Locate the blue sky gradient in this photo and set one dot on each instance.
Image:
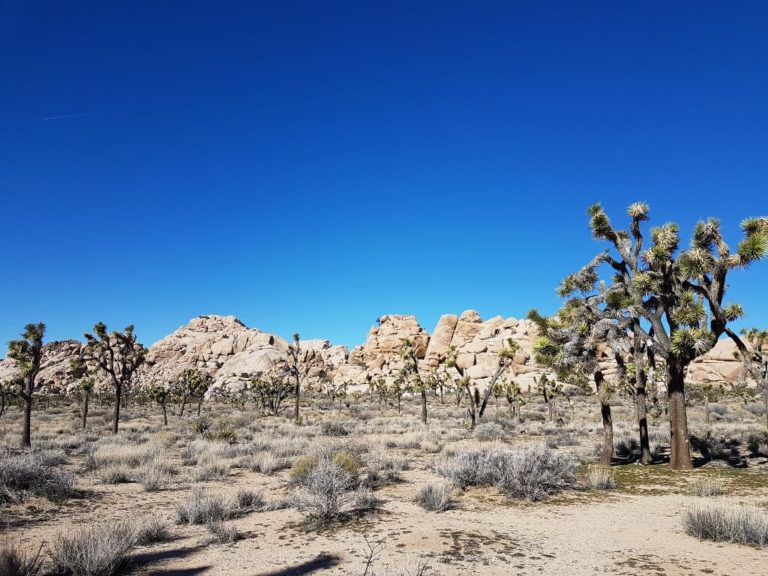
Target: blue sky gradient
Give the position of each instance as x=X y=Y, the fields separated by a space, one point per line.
x=311 y=166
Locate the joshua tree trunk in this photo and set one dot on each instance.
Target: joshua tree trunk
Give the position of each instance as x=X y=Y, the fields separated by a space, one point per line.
x=165 y=413
x=26 y=438
x=472 y=407
x=118 y=398
x=297 y=415
x=199 y=404
x=86 y=397
x=605 y=413
x=424 y=406
x=183 y=404
x=641 y=411
x=680 y=451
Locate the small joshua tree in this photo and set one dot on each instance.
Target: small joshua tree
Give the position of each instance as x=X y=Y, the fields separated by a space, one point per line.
x=118 y=355
x=271 y=390
x=506 y=362
x=28 y=354
x=192 y=384
x=463 y=384
x=758 y=341
x=160 y=394
x=411 y=375
x=293 y=367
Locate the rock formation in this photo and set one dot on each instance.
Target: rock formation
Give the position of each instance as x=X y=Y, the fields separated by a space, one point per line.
x=230 y=352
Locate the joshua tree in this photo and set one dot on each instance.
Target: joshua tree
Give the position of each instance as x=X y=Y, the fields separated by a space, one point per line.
x=293 y=367
x=758 y=341
x=506 y=361
x=463 y=385
x=271 y=390
x=27 y=353
x=119 y=355
x=85 y=387
x=412 y=377
x=675 y=298
x=571 y=344
x=192 y=384
x=160 y=394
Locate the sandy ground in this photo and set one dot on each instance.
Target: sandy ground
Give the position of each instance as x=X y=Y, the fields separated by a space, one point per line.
x=635 y=529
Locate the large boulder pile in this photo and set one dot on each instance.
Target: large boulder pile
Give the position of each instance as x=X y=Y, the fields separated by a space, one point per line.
x=230 y=352
x=55 y=375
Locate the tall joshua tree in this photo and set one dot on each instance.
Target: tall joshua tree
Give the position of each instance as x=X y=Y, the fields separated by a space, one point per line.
x=118 y=355
x=27 y=353
x=506 y=358
x=675 y=298
x=758 y=341
x=293 y=367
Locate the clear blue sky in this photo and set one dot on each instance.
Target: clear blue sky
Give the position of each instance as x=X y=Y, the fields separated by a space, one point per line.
x=311 y=166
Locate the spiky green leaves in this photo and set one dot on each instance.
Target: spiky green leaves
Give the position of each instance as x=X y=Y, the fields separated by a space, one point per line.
x=638 y=211
x=733 y=312
x=689 y=311
x=753 y=248
x=687 y=343
x=600 y=224
x=27 y=352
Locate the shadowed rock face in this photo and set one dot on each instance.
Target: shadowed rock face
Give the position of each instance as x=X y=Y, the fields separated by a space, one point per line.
x=229 y=351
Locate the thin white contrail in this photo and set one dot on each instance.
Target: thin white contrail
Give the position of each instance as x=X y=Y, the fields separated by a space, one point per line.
x=63 y=116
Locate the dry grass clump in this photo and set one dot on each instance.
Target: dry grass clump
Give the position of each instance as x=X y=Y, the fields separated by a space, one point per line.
x=210 y=470
x=488 y=431
x=707 y=486
x=93 y=551
x=435 y=497
x=600 y=478
x=203 y=508
x=727 y=523
x=222 y=533
x=265 y=463
x=532 y=474
x=34 y=473
x=151 y=531
x=14 y=562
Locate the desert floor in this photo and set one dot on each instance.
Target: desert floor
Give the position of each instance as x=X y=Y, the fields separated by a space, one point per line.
x=635 y=528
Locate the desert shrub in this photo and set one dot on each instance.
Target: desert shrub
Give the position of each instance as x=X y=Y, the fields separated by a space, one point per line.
x=248 y=501
x=14 y=562
x=93 y=551
x=561 y=440
x=532 y=473
x=302 y=467
x=202 y=508
x=221 y=434
x=33 y=473
x=153 y=477
x=488 y=431
x=152 y=530
x=115 y=474
x=221 y=532
x=328 y=491
x=707 y=486
x=430 y=446
x=333 y=429
x=435 y=497
x=600 y=478
x=727 y=523
x=267 y=463
x=382 y=469
x=211 y=471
